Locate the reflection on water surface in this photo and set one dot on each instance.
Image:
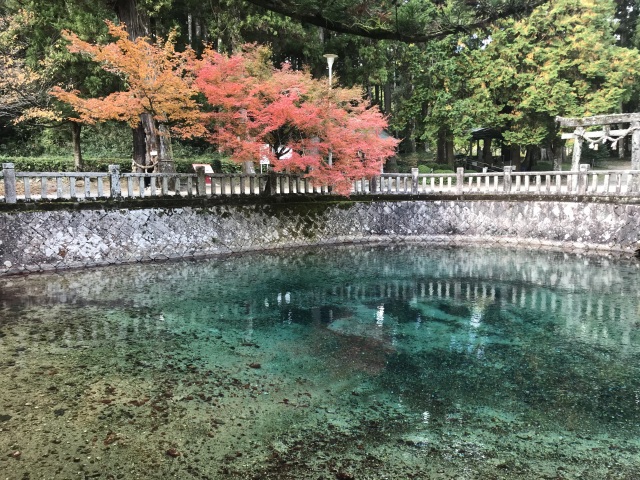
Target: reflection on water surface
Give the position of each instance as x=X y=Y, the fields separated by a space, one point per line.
x=354 y=362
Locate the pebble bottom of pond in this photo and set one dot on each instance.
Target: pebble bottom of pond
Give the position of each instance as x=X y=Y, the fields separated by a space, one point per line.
x=354 y=362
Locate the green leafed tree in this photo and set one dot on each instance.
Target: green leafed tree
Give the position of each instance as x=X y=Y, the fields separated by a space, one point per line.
x=430 y=100
x=404 y=20
x=32 y=45
x=562 y=60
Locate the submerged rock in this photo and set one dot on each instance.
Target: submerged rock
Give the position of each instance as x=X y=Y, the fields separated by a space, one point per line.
x=173 y=453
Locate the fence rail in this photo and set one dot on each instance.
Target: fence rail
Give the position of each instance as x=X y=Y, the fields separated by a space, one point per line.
x=44 y=186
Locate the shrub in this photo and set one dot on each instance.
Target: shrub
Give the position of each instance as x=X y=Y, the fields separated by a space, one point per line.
x=65 y=164
x=542 y=167
x=40 y=164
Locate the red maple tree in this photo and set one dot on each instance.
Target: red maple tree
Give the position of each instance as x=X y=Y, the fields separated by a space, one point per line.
x=331 y=135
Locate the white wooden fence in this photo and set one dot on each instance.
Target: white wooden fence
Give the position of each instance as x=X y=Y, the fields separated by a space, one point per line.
x=45 y=186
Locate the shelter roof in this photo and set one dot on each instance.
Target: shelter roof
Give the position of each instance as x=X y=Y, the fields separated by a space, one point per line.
x=485 y=132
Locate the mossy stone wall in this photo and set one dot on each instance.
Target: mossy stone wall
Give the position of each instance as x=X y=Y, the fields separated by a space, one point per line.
x=90 y=235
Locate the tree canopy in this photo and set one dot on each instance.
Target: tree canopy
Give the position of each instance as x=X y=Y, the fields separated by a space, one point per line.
x=435 y=68
x=23 y=90
x=159 y=82
x=303 y=121
x=410 y=21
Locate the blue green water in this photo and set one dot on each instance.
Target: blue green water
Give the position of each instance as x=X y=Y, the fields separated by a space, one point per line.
x=335 y=363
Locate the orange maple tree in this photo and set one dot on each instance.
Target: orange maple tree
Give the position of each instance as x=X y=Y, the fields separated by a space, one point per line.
x=159 y=86
x=297 y=122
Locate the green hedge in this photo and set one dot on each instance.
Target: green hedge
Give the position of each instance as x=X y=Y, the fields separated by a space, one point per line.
x=435 y=168
x=40 y=164
x=65 y=164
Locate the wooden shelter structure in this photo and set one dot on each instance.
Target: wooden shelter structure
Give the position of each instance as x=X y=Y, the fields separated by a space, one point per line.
x=484 y=157
x=593 y=138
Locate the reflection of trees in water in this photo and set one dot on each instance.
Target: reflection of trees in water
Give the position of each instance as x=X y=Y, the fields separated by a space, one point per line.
x=581 y=292
x=339 y=267
x=430 y=324
x=542 y=386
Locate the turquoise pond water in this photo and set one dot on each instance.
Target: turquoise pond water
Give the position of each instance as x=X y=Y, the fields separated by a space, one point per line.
x=363 y=362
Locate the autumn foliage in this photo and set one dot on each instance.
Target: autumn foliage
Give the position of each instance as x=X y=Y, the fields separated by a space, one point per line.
x=302 y=120
x=159 y=82
x=23 y=89
x=253 y=110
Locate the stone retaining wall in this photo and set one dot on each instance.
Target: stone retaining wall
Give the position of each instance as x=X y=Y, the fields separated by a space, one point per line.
x=105 y=234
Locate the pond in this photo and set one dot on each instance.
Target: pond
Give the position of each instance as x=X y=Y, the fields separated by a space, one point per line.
x=359 y=362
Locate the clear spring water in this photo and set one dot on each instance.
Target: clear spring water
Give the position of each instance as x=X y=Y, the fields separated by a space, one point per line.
x=337 y=363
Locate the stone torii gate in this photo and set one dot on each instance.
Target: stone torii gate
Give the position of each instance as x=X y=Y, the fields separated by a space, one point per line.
x=605 y=135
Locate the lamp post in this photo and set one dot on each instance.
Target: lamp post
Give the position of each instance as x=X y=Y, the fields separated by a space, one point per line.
x=330 y=58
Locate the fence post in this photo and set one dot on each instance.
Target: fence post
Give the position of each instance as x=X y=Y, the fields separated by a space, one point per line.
x=507 y=178
x=373 y=185
x=635 y=146
x=634 y=183
x=272 y=183
x=9 y=171
x=414 y=181
x=201 y=186
x=263 y=184
x=459 y=180
x=582 y=178
x=114 y=181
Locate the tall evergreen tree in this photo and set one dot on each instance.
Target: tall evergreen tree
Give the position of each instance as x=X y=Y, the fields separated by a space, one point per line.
x=31 y=35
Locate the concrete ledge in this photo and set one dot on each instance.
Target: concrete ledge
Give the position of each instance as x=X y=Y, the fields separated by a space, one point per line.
x=181 y=202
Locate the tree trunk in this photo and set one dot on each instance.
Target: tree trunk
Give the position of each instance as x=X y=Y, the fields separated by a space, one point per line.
x=387 y=98
x=440 y=147
x=534 y=154
x=409 y=141
x=78 y=163
x=320 y=68
x=151 y=139
x=451 y=159
x=529 y=158
x=486 y=151
x=156 y=138
x=444 y=153
x=516 y=161
x=554 y=154
x=152 y=145
x=165 y=152
x=139 y=148
x=137 y=21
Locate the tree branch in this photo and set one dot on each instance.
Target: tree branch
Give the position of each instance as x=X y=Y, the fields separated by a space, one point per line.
x=317 y=18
